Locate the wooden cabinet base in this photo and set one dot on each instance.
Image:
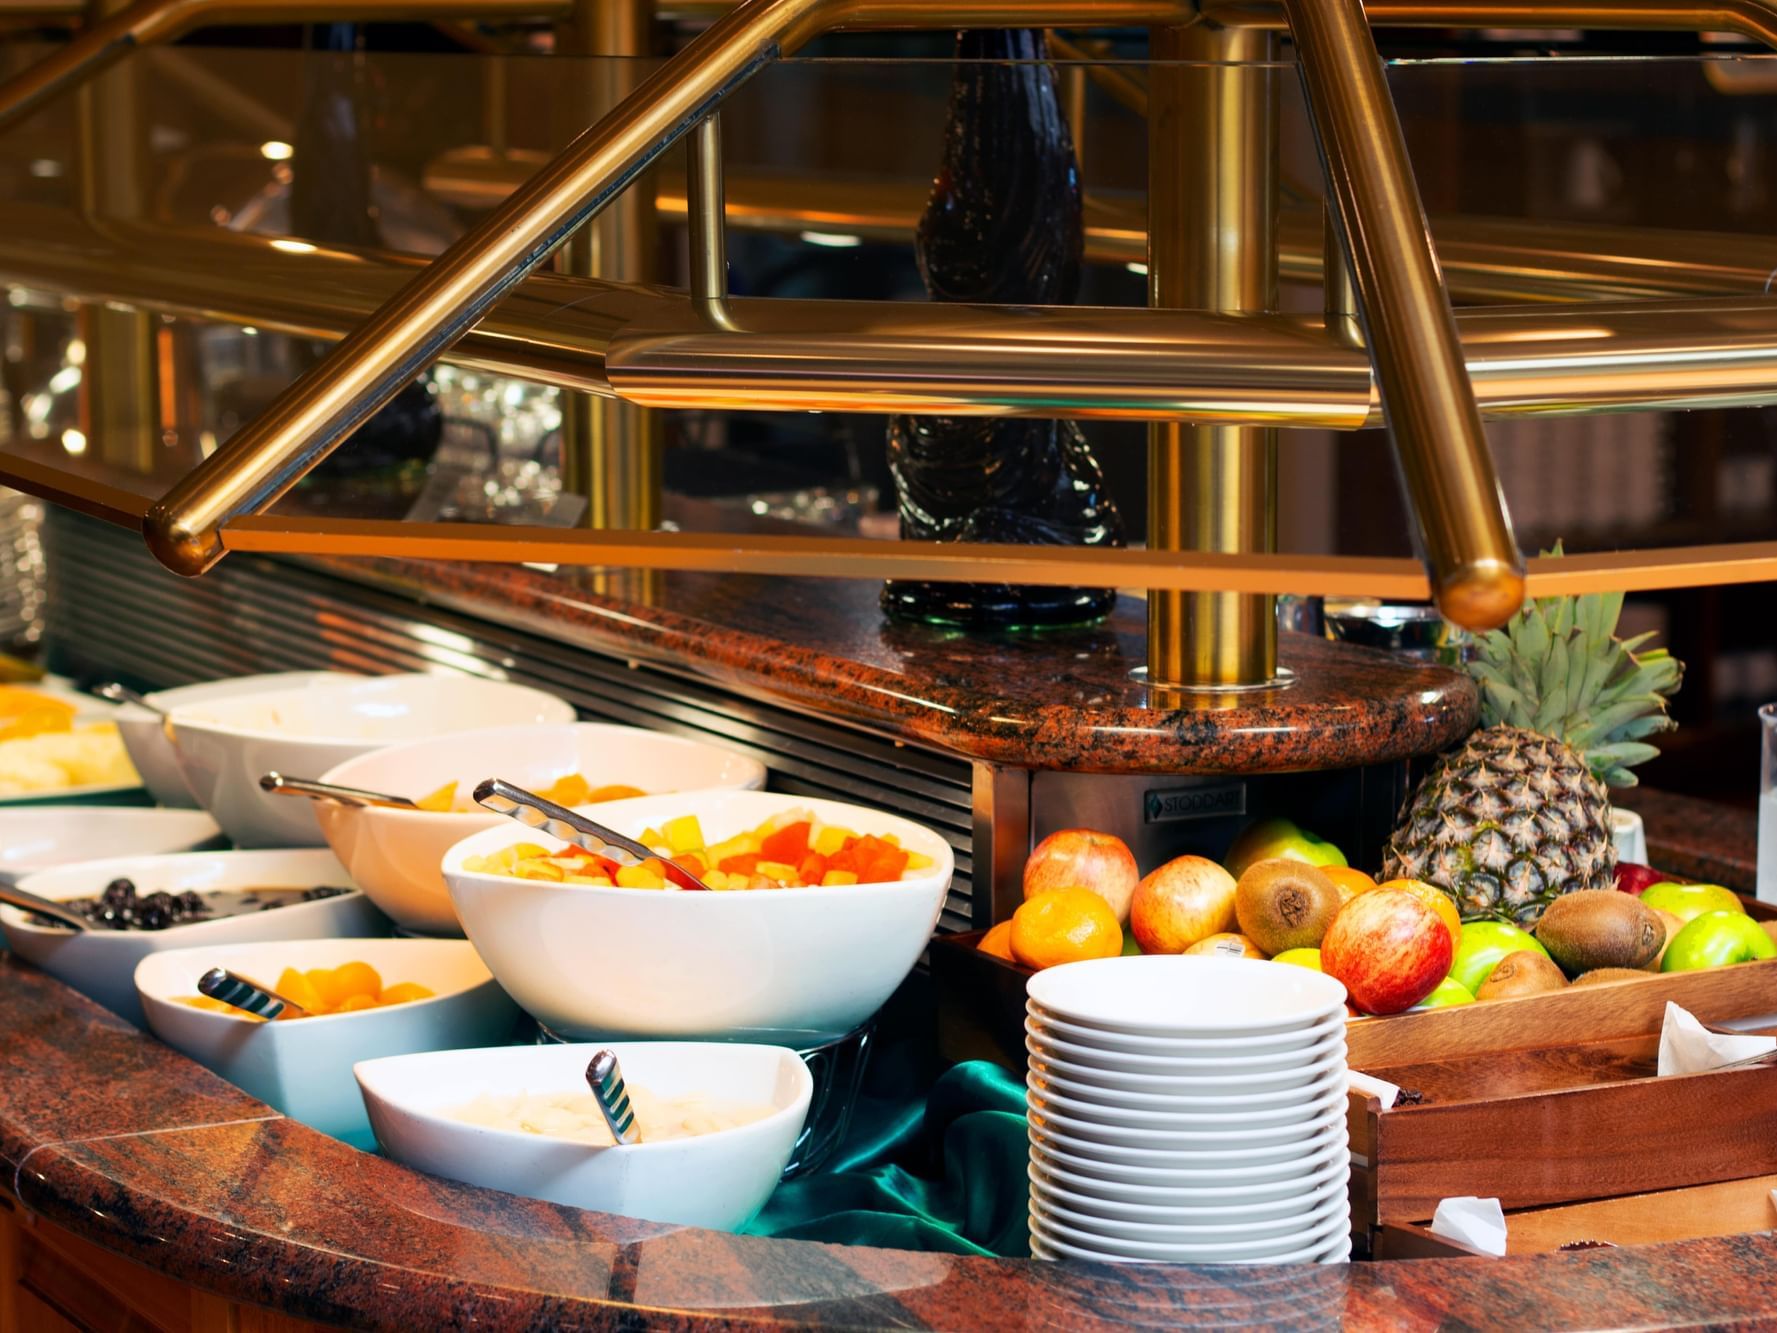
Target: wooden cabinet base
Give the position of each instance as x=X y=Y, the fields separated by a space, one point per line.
x=51 y=1281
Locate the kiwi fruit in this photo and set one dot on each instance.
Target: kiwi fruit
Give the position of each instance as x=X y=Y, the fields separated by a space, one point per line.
x=1283 y=904
x=1597 y=928
x=1673 y=924
x=1599 y=975
x=1525 y=972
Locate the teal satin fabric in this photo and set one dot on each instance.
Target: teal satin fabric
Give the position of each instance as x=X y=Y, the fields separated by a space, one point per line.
x=940 y=1170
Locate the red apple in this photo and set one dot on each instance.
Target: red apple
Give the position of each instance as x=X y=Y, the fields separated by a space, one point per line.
x=1188 y=899
x=1082 y=859
x=1390 y=950
x=1633 y=878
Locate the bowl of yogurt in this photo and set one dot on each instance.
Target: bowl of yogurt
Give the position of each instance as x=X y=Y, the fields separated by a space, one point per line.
x=717 y=1121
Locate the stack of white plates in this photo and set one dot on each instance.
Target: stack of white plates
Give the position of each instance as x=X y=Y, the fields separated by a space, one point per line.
x=1187 y=1110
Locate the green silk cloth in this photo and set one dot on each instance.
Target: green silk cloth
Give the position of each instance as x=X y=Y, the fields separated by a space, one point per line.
x=924 y=1165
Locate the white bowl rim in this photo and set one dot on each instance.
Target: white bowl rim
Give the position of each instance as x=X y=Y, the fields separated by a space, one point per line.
x=1055 y=990
x=512 y=1137
x=943 y=865
x=169 y=957
x=384 y=684
x=335 y=774
x=1316 y=1196
x=195 y=692
x=1182 y=1109
x=13 y=918
x=1321 y=1172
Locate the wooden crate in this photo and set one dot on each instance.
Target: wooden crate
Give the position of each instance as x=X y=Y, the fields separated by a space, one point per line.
x=1552 y=1125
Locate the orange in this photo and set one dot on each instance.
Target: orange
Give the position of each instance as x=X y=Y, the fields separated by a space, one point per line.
x=998 y=942
x=1348 y=881
x=1064 y=926
x=1436 y=899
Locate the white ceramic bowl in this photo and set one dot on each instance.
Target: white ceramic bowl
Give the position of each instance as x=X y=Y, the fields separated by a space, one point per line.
x=1328 y=1165
x=227 y=745
x=713 y=1180
x=303 y=1067
x=152 y=753
x=1255 y=1166
x=36 y=839
x=100 y=963
x=787 y=964
x=1179 y=995
x=1184 y=1093
x=1043 y=1025
x=1056 y=1051
x=395 y=854
x=1227 y=1208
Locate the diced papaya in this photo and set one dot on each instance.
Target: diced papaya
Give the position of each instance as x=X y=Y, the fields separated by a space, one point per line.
x=683 y=834
x=745 y=864
x=691 y=861
x=811 y=868
x=571 y=789
x=833 y=877
x=788 y=844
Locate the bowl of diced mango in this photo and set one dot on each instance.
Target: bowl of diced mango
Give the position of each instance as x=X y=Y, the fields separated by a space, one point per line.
x=365 y=999
x=817 y=910
x=394 y=854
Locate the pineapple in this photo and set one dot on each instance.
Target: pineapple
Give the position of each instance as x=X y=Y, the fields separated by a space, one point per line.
x=1518 y=815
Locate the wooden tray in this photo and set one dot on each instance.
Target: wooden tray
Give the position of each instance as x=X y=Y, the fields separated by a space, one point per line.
x=1733 y=1208
x=1555 y=1124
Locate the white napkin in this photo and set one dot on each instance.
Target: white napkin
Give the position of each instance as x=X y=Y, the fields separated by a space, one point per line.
x=1478 y=1223
x=1687 y=1047
x=1375 y=1087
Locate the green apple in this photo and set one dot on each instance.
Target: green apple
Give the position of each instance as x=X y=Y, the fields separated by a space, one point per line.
x=1449 y=991
x=1483 y=944
x=1130 y=947
x=1309 y=958
x=1689 y=901
x=1716 y=939
x=1270 y=839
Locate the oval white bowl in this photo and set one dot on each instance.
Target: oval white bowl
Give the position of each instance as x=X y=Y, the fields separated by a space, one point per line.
x=395 y=854
x=100 y=963
x=225 y=746
x=1168 y=996
x=788 y=964
x=715 y=1180
x=152 y=753
x=59 y=835
x=304 y=1067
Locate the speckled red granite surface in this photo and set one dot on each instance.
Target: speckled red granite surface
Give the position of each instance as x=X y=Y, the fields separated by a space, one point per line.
x=110 y=1134
x=1061 y=699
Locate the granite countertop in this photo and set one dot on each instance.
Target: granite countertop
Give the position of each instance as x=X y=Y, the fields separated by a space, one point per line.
x=1058 y=699
x=108 y=1133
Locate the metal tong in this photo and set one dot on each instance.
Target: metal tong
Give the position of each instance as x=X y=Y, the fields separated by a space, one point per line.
x=558 y=821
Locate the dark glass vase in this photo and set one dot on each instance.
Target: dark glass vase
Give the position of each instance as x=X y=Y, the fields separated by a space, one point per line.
x=1002 y=226
x=330 y=202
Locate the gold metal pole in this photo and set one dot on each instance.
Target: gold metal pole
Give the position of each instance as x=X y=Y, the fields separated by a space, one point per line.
x=1338 y=293
x=1212 y=192
x=1477 y=572
x=708 y=217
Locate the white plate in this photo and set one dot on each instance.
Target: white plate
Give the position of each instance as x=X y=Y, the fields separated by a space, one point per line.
x=1071 y=1094
x=1065 y=1053
x=1205 y=1133
x=1141 y=1203
x=1059 y=1201
x=1209 y=1171
x=1293 y=1248
x=1338 y=1250
x=1038 y=1024
x=1177 y=995
x=1203 y=1228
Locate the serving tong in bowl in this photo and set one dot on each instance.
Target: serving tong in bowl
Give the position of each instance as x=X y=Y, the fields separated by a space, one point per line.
x=244 y=993
x=279 y=785
x=26 y=901
x=533 y=811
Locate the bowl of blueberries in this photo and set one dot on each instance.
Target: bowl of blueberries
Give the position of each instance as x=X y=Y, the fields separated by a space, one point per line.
x=138 y=905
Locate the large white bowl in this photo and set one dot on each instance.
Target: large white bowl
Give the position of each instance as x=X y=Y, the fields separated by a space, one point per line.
x=712 y=1180
x=1180 y=995
x=395 y=854
x=784 y=964
x=101 y=963
x=303 y=1067
x=145 y=738
x=227 y=745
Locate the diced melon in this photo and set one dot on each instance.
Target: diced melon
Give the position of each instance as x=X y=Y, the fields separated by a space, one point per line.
x=683 y=834
x=919 y=861
x=775 y=870
x=440 y=801
x=830 y=840
x=892 y=839
x=639 y=877
x=652 y=837
x=543 y=868
x=833 y=877
x=744 y=844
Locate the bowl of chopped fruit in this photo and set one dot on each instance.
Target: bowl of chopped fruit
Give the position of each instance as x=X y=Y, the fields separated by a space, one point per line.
x=352 y=1000
x=815 y=911
x=395 y=854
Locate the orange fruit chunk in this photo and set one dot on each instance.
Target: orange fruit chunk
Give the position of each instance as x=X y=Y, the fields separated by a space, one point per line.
x=1350 y=882
x=1066 y=925
x=997 y=941
x=352 y=979
x=441 y=801
x=405 y=992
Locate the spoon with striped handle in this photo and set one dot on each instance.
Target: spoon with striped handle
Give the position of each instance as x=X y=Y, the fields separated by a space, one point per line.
x=605 y=1078
x=244 y=993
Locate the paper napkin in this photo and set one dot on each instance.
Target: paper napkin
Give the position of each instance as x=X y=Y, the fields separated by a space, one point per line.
x=1687 y=1047
x=1375 y=1087
x=1478 y=1223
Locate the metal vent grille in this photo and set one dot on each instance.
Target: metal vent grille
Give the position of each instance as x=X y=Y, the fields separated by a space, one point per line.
x=113 y=610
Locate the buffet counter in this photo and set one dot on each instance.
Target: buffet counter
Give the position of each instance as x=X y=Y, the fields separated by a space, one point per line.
x=113 y=1145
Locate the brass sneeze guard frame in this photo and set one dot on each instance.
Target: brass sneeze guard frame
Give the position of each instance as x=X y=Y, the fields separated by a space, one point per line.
x=1425 y=371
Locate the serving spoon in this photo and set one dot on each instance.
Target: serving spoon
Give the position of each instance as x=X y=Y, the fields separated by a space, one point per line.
x=605 y=1077
x=26 y=901
x=279 y=785
x=118 y=693
x=533 y=811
